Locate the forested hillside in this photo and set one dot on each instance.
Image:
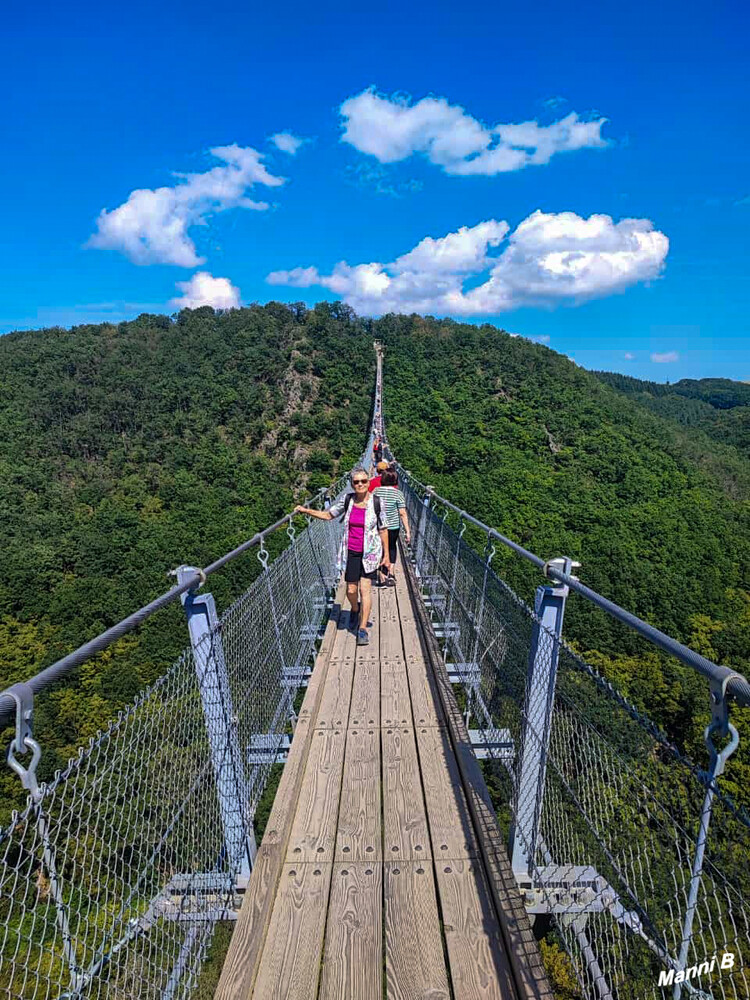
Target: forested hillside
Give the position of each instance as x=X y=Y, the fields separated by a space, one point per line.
x=718 y=406
x=128 y=449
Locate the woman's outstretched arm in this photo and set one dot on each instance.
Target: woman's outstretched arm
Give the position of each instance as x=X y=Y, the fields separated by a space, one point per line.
x=323 y=515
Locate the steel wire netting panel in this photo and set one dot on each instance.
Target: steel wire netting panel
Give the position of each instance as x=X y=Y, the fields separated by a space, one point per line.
x=114 y=876
x=86 y=900
x=609 y=830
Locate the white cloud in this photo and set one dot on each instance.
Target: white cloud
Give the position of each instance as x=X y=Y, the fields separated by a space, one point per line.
x=391 y=129
x=462 y=252
x=549 y=259
x=664 y=359
x=151 y=227
x=287 y=142
x=205 y=290
x=628 y=356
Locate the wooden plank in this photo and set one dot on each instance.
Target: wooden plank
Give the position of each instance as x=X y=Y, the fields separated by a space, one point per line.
x=391 y=647
x=424 y=700
x=388 y=602
x=334 y=621
x=409 y=628
x=374 y=646
x=241 y=963
x=332 y=650
x=424 y=696
x=290 y=963
x=353 y=953
x=313 y=836
x=395 y=704
x=404 y=819
x=358 y=837
x=451 y=829
x=346 y=640
x=415 y=966
x=365 y=704
x=409 y=625
x=371 y=651
x=333 y=712
x=395 y=665
x=478 y=965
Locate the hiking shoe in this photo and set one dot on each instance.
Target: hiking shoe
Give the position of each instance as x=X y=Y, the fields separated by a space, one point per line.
x=362 y=638
x=353 y=621
x=391 y=582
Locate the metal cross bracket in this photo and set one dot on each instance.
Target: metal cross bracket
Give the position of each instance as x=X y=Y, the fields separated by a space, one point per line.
x=564 y=564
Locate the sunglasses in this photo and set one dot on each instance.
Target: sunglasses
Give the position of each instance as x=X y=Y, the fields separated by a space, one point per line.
x=360 y=482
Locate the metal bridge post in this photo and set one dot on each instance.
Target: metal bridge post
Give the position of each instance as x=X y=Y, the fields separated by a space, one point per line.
x=549 y=607
x=213 y=683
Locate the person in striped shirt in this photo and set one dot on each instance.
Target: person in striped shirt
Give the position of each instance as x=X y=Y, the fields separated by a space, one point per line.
x=394 y=511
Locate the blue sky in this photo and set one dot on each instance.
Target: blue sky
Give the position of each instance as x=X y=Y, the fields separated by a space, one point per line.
x=101 y=103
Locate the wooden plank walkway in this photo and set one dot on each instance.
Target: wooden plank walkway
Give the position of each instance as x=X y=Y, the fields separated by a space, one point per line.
x=370 y=881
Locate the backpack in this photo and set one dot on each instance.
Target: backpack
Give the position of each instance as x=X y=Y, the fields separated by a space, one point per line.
x=348 y=501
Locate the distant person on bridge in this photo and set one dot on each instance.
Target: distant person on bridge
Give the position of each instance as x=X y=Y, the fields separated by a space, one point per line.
x=366 y=545
x=377 y=450
x=375 y=481
x=394 y=504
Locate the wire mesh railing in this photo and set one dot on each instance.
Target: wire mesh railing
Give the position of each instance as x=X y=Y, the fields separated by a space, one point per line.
x=100 y=873
x=115 y=874
x=633 y=854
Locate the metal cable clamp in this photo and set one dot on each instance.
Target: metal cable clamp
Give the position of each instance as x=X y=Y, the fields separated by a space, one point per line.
x=23 y=741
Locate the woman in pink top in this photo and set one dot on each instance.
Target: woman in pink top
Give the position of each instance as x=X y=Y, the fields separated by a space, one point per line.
x=365 y=543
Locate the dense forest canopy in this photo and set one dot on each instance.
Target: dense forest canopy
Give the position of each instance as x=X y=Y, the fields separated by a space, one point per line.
x=718 y=406
x=129 y=449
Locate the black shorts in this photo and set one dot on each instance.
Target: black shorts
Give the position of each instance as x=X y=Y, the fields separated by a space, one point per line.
x=355 y=571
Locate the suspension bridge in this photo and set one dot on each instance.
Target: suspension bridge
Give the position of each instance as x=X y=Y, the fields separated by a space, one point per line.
x=461 y=788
